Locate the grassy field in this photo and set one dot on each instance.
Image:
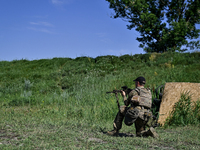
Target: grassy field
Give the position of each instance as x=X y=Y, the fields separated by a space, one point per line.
x=61 y=103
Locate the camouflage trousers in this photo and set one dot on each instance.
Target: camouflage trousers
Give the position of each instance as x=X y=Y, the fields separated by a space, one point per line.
x=131 y=115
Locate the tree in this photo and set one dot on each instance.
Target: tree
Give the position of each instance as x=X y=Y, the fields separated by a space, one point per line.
x=164 y=25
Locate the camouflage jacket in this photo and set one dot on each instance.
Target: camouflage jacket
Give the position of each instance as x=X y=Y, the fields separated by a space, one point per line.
x=140 y=96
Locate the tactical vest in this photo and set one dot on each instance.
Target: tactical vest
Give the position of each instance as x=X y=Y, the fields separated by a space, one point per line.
x=143 y=98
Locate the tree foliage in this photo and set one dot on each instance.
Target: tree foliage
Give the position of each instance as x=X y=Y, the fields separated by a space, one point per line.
x=164 y=25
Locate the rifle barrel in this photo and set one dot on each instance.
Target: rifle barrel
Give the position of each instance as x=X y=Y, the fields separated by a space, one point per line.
x=114 y=91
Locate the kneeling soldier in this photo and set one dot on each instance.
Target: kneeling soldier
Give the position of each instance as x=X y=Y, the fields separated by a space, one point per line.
x=140 y=100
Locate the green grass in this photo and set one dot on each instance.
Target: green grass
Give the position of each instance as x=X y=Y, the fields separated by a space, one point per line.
x=185 y=111
x=61 y=103
x=52 y=128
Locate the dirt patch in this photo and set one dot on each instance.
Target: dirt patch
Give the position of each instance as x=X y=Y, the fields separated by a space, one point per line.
x=171 y=95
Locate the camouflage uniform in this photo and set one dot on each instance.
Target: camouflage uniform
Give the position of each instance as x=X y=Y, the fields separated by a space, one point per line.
x=139 y=112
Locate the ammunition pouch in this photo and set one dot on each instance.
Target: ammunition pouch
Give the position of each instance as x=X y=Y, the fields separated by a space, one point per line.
x=147 y=115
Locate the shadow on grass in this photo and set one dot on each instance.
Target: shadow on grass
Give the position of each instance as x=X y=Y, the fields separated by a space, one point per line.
x=120 y=134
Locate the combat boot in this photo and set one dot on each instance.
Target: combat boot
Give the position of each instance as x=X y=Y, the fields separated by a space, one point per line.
x=114 y=132
x=152 y=132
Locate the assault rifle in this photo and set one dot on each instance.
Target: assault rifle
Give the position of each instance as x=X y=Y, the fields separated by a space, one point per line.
x=125 y=89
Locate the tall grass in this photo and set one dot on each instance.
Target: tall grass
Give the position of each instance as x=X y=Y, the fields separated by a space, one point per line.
x=79 y=85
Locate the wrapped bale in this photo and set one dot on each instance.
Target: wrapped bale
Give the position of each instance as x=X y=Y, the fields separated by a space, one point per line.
x=171 y=95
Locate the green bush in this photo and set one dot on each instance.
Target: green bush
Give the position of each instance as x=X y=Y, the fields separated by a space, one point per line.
x=185 y=112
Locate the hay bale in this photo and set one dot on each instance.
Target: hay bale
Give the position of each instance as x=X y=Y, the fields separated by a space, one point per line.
x=171 y=95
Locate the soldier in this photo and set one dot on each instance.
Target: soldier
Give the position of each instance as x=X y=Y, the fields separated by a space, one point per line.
x=140 y=100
